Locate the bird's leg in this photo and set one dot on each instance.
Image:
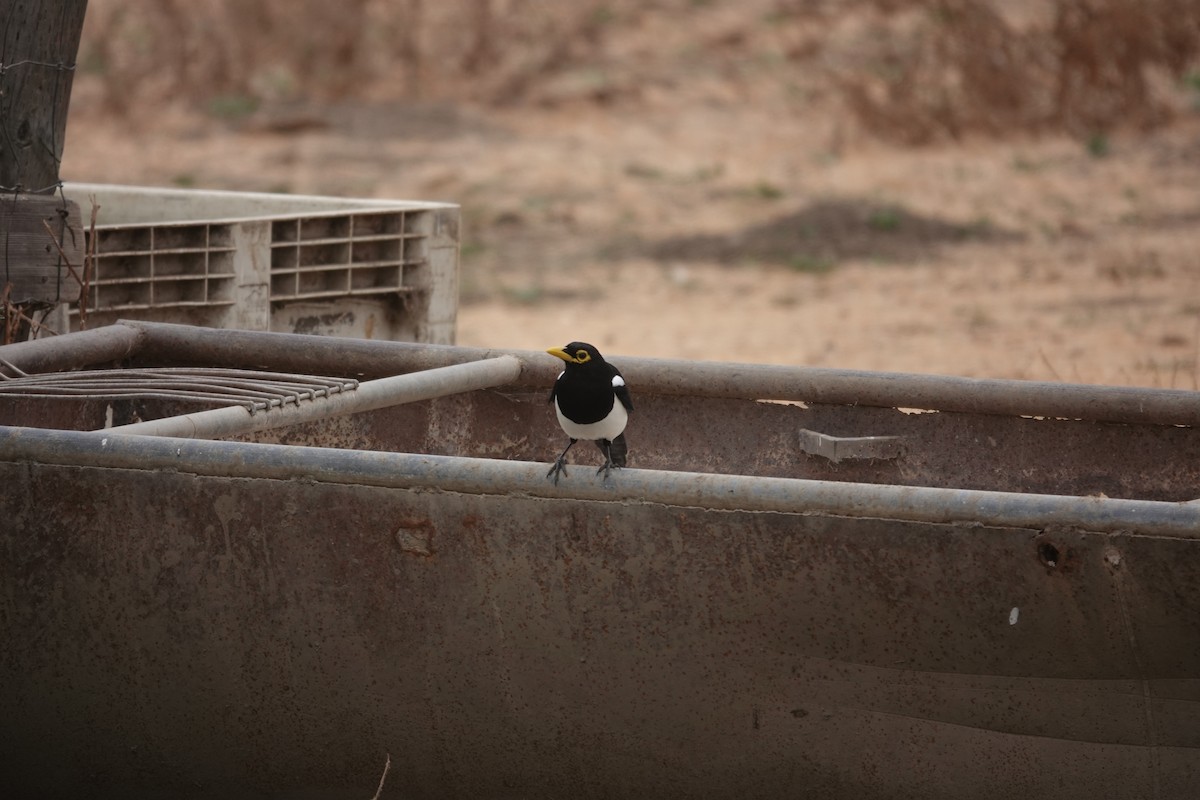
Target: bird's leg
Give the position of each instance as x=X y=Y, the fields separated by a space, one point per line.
x=560 y=465
x=608 y=464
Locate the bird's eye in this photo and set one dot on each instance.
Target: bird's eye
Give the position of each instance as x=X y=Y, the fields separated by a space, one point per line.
x=582 y=357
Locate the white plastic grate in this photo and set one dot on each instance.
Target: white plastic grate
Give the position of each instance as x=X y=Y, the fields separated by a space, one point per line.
x=303 y=264
x=346 y=255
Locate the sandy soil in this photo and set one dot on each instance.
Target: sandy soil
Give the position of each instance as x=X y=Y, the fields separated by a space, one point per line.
x=712 y=227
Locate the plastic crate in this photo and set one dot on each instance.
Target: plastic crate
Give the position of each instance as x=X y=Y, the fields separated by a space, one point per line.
x=383 y=269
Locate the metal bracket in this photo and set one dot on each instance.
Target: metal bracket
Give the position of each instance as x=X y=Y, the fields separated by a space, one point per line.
x=851 y=448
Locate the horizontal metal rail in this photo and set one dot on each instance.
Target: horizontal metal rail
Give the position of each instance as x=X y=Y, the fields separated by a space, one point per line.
x=302 y=353
x=70 y=350
x=370 y=395
x=110 y=449
x=163 y=343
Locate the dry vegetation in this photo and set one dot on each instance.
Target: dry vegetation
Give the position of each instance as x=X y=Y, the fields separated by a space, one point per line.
x=916 y=70
x=967 y=186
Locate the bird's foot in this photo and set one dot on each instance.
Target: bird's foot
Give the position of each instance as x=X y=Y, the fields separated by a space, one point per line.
x=559 y=468
x=606 y=469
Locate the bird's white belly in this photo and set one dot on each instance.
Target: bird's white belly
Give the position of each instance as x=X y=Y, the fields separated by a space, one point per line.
x=608 y=428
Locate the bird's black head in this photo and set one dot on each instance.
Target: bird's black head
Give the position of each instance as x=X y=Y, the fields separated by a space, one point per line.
x=577 y=353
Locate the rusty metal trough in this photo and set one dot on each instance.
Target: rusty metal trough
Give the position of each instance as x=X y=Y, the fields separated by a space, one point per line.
x=810 y=582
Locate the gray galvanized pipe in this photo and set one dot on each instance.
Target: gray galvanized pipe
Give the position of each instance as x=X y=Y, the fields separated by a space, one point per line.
x=163 y=343
x=381 y=393
x=72 y=350
x=299 y=353
x=629 y=486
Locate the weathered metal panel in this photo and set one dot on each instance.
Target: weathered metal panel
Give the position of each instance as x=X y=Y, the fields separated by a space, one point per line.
x=1007 y=605
x=183 y=634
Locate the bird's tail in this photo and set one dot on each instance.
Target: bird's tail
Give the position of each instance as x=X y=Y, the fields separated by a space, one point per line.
x=618 y=451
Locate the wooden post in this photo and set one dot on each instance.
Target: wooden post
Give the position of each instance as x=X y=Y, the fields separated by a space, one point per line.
x=38 y=45
x=39 y=42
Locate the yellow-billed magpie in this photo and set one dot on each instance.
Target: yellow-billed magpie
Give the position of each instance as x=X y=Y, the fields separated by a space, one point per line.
x=592 y=402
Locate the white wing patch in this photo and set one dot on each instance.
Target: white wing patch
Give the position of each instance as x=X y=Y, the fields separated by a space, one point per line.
x=618 y=381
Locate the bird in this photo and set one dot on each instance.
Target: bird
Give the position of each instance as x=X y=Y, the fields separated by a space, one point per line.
x=592 y=402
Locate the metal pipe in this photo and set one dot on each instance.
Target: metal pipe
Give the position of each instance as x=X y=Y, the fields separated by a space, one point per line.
x=112 y=450
x=168 y=343
x=72 y=350
x=370 y=395
x=296 y=352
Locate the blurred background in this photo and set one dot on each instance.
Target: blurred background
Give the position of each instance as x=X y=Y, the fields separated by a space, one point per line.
x=1001 y=188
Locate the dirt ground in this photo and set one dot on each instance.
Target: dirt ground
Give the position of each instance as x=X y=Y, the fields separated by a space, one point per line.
x=708 y=225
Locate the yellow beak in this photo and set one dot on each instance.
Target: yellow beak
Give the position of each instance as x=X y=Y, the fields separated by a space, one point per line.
x=558 y=352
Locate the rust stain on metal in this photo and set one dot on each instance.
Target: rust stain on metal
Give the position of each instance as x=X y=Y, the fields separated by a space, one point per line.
x=1055 y=554
x=415 y=537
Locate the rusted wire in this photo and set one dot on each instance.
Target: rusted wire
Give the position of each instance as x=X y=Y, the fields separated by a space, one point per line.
x=254 y=390
x=11 y=366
